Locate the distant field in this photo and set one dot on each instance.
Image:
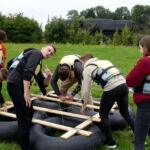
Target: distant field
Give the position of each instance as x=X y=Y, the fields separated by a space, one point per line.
x=123 y=57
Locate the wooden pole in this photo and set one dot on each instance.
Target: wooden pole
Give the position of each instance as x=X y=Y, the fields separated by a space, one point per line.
x=66 y=102
x=49 y=124
x=75 y=99
x=79 y=127
x=48 y=110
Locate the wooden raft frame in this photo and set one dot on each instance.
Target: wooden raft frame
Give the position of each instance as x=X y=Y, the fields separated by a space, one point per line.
x=79 y=129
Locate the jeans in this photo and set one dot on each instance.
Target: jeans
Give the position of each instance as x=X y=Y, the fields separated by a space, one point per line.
x=119 y=95
x=142 y=125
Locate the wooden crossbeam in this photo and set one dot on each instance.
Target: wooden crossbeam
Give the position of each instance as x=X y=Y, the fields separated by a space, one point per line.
x=74 y=99
x=67 y=102
x=48 y=110
x=49 y=124
x=79 y=127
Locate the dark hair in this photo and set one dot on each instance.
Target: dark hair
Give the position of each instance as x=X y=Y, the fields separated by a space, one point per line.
x=63 y=72
x=52 y=45
x=86 y=57
x=3 y=36
x=4 y=73
x=145 y=42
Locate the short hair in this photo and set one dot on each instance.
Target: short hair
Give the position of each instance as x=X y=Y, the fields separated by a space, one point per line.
x=3 y=35
x=4 y=73
x=52 y=45
x=63 y=72
x=86 y=57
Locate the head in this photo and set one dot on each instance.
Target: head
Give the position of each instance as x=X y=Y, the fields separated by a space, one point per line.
x=63 y=72
x=3 y=36
x=86 y=57
x=48 y=51
x=3 y=74
x=144 y=45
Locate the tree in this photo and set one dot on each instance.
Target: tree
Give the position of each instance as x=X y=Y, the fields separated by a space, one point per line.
x=88 y=13
x=137 y=14
x=101 y=12
x=56 y=31
x=126 y=36
x=116 y=38
x=72 y=14
x=122 y=13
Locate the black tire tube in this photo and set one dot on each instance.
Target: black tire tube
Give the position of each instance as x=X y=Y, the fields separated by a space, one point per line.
x=41 y=138
x=9 y=126
x=116 y=120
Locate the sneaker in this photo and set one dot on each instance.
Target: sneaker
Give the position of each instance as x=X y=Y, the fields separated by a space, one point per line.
x=133 y=142
x=111 y=145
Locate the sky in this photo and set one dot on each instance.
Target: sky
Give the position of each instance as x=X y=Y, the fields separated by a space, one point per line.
x=41 y=9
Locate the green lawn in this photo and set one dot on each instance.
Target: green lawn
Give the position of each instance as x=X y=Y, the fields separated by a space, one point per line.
x=123 y=57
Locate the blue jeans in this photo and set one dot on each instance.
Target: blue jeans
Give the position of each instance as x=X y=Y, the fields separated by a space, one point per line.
x=142 y=125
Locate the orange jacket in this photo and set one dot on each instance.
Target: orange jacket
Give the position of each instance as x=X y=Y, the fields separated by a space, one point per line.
x=2 y=55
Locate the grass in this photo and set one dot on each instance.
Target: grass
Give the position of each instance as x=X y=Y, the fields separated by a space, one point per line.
x=123 y=57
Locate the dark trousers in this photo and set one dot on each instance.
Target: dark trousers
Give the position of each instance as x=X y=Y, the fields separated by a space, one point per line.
x=142 y=125
x=24 y=114
x=119 y=95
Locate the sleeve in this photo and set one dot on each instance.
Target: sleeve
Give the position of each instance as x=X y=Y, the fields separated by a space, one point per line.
x=40 y=80
x=4 y=56
x=137 y=74
x=86 y=87
x=78 y=72
x=54 y=81
x=32 y=60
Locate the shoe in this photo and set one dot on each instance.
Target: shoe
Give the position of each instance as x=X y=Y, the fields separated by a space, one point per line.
x=111 y=145
x=133 y=142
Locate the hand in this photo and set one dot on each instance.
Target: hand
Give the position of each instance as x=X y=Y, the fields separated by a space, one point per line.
x=62 y=97
x=48 y=72
x=70 y=97
x=82 y=111
x=27 y=99
x=4 y=108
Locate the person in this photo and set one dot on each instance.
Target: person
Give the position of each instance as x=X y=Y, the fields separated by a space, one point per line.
x=3 y=76
x=105 y=74
x=18 y=82
x=3 y=38
x=69 y=71
x=139 y=79
x=40 y=77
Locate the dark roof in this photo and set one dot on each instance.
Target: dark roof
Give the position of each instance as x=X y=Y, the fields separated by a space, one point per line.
x=108 y=24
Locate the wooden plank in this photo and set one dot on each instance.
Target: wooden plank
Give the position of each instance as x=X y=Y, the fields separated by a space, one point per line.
x=75 y=99
x=49 y=124
x=79 y=127
x=66 y=113
x=67 y=102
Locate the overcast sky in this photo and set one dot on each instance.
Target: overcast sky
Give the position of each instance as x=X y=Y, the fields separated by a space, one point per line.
x=40 y=9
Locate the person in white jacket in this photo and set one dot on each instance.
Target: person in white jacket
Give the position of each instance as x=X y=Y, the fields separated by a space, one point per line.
x=105 y=74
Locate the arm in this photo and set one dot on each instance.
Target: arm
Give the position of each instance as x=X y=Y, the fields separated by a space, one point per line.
x=137 y=74
x=86 y=88
x=26 y=85
x=54 y=81
x=4 y=55
x=78 y=72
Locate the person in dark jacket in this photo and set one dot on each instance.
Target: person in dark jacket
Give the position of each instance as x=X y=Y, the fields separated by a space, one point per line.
x=41 y=78
x=69 y=71
x=139 y=80
x=18 y=82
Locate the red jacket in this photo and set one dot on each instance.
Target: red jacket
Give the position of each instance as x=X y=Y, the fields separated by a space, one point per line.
x=136 y=76
x=3 y=48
